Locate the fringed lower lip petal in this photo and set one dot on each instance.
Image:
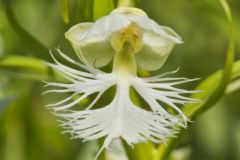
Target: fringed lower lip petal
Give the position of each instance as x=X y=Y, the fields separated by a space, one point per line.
x=121 y=118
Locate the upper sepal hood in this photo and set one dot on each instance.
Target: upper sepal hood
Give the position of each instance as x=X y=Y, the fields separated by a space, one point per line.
x=154 y=42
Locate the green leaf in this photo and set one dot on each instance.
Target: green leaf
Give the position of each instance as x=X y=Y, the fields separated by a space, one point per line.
x=233 y=86
x=24 y=75
x=213 y=88
x=211 y=95
x=80 y=10
x=24 y=67
x=65 y=10
x=102 y=8
x=37 y=48
x=84 y=10
x=164 y=150
x=23 y=62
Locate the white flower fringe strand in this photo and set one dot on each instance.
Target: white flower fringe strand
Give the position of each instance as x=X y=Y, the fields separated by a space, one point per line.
x=121 y=118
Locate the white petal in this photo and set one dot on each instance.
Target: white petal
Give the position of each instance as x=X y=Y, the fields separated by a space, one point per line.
x=87 y=38
x=105 y=26
x=121 y=118
x=97 y=54
x=96 y=46
x=87 y=51
x=76 y=33
x=158 y=42
x=149 y=25
x=154 y=53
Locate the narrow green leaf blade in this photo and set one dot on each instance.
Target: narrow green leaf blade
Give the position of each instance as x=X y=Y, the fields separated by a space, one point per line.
x=24 y=67
x=233 y=86
x=65 y=10
x=85 y=10
x=23 y=62
x=80 y=10
x=211 y=95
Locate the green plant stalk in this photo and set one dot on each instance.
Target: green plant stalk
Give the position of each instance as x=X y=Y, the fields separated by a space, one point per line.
x=80 y=8
x=65 y=10
x=85 y=10
x=215 y=85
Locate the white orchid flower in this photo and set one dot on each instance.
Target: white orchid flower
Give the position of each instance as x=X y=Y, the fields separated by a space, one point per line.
x=131 y=40
x=151 y=43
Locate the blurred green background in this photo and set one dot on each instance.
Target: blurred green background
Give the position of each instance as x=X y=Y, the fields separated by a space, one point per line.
x=28 y=130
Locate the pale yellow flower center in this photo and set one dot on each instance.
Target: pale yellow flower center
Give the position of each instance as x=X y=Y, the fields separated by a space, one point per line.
x=126 y=42
x=131 y=34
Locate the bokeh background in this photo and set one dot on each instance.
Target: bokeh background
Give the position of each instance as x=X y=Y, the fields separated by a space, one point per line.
x=28 y=131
